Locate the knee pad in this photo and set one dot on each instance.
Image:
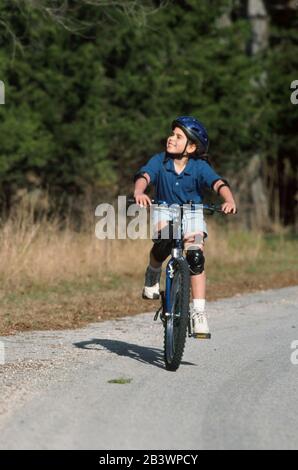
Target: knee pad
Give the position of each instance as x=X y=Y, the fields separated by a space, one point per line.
x=196 y=261
x=162 y=246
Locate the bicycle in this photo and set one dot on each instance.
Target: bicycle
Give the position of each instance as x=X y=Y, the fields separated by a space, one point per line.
x=174 y=311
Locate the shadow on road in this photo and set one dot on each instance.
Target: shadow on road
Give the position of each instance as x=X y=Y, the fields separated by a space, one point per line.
x=142 y=354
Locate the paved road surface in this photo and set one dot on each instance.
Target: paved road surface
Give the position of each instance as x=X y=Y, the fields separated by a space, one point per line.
x=237 y=391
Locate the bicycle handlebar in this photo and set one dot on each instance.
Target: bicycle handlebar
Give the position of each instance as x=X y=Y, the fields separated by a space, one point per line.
x=210 y=207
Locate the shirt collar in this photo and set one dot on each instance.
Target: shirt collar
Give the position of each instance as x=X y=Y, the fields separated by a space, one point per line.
x=188 y=170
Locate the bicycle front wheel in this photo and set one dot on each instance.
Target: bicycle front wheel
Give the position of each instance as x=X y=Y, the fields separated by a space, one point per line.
x=177 y=319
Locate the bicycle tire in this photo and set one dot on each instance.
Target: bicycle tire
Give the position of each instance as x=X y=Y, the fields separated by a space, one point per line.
x=176 y=327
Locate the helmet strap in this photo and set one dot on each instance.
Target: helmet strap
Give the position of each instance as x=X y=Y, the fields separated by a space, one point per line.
x=179 y=156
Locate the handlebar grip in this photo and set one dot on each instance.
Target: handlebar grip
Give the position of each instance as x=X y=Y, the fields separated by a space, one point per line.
x=132 y=200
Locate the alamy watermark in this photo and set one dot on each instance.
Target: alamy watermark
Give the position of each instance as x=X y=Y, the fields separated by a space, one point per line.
x=294 y=95
x=294 y=355
x=2 y=353
x=130 y=221
x=2 y=92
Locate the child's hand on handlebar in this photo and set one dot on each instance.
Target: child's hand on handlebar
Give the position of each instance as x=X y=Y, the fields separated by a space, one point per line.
x=229 y=207
x=142 y=199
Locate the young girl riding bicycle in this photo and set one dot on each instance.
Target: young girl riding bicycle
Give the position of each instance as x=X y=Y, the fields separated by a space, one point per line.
x=179 y=175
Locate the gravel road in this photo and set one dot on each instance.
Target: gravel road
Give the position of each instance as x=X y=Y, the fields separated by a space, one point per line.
x=237 y=391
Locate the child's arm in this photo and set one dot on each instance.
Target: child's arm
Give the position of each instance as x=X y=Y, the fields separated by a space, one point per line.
x=140 y=185
x=229 y=206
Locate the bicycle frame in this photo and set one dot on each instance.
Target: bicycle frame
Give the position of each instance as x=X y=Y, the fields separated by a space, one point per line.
x=177 y=251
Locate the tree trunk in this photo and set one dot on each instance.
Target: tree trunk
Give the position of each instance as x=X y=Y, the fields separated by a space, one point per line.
x=252 y=196
x=258 y=198
x=258 y=17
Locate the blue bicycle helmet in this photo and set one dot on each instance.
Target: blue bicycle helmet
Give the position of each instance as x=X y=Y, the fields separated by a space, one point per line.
x=194 y=130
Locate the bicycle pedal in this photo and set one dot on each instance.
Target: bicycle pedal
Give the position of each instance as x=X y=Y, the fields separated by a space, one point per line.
x=201 y=335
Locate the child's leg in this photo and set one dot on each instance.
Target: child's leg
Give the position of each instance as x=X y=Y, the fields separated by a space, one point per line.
x=153 y=262
x=198 y=283
x=198 y=286
x=158 y=253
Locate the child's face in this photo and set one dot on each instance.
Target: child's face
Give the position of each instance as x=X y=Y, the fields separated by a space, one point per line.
x=177 y=141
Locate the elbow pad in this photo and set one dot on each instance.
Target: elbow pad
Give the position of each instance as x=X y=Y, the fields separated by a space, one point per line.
x=225 y=183
x=138 y=176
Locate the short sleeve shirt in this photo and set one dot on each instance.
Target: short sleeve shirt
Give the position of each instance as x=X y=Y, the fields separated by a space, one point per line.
x=175 y=188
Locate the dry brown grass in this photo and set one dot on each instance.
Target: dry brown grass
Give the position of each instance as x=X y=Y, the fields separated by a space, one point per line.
x=40 y=252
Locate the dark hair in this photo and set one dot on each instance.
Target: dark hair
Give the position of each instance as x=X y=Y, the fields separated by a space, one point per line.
x=201 y=156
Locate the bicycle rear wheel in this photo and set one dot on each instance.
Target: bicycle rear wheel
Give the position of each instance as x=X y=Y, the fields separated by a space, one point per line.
x=176 y=322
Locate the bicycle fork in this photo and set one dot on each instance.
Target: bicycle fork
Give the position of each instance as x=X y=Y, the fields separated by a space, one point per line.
x=165 y=308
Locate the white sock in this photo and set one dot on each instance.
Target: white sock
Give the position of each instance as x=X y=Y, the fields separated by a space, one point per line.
x=199 y=304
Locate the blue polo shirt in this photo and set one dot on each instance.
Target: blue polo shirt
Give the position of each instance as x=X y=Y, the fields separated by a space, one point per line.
x=175 y=188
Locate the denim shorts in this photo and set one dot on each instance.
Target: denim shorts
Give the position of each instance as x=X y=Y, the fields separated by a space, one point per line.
x=192 y=221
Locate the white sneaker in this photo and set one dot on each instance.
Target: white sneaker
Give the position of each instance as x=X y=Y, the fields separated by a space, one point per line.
x=151 y=292
x=151 y=288
x=200 y=325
